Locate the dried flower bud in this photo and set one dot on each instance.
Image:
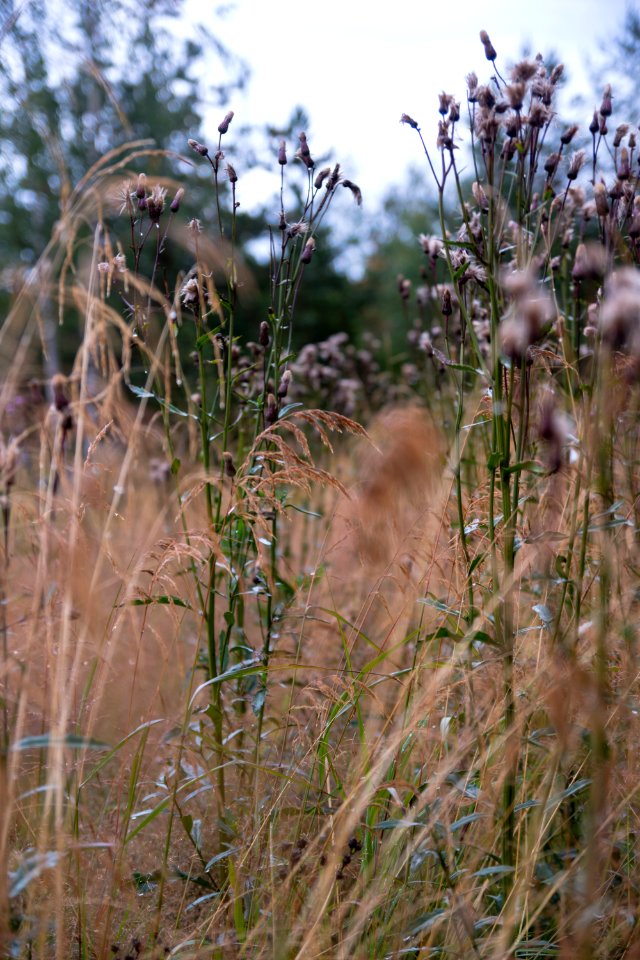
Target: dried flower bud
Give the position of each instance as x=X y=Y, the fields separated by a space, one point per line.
x=489 y=49
x=515 y=95
x=620 y=312
x=282 y=153
x=606 y=107
x=551 y=164
x=190 y=294
x=119 y=263
x=446 y=306
x=224 y=126
x=569 y=134
x=445 y=99
x=355 y=190
x=602 y=206
x=321 y=177
x=103 y=267
x=621 y=131
x=270 y=409
x=524 y=71
x=444 y=141
x=425 y=344
x=334 y=179
x=634 y=227
x=285 y=381
x=155 y=203
x=405 y=118
x=303 y=152
x=486 y=97
x=141 y=188
x=199 y=148
x=231 y=173
x=9 y=453
x=229 y=467
x=263 y=336
x=594 y=126
x=307 y=251
x=295 y=229
x=431 y=246
x=479 y=195
x=616 y=190
x=538 y=115
x=58 y=389
x=177 y=200
x=575 y=164
x=554 y=431
x=556 y=73
x=590 y=262
x=508 y=150
x=472 y=87
x=404 y=287
x=624 y=167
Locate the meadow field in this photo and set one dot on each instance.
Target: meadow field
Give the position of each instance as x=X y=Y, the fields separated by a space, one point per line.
x=309 y=655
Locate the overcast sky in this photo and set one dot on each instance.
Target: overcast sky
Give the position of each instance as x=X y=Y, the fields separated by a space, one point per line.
x=357 y=65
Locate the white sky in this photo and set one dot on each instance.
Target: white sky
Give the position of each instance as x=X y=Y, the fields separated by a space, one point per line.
x=356 y=66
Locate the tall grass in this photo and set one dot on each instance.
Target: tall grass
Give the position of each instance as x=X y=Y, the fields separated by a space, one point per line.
x=264 y=699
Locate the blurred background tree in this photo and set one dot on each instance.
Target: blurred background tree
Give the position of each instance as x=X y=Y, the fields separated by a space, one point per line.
x=79 y=80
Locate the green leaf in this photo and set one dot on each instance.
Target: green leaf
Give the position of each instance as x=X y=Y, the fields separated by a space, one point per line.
x=425 y=922
x=245 y=668
x=164 y=599
x=395 y=824
x=544 y=613
x=526 y=805
x=141 y=393
x=442 y=607
x=480 y=636
x=464 y=821
x=307 y=513
x=31 y=867
x=103 y=762
x=175 y=466
x=145 y=882
x=286 y=409
x=532 y=466
x=498 y=871
x=72 y=741
x=220 y=856
x=147 y=818
x=576 y=787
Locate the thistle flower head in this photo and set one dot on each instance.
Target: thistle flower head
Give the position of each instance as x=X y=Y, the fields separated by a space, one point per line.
x=523 y=71
x=155 y=202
